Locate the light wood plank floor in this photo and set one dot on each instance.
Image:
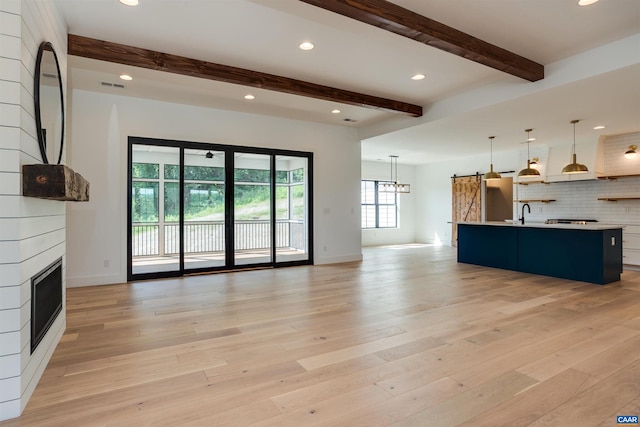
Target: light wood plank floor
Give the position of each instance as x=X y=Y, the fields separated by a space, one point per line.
x=408 y=337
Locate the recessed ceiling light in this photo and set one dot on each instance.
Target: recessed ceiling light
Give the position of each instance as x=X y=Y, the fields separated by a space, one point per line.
x=129 y=2
x=249 y=97
x=598 y=127
x=586 y=2
x=126 y=77
x=306 y=45
x=335 y=111
x=418 y=77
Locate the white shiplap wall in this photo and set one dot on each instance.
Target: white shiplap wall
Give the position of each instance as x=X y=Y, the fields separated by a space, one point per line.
x=32 y=231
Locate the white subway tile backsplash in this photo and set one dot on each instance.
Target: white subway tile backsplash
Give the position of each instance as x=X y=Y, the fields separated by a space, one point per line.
x=580 y=200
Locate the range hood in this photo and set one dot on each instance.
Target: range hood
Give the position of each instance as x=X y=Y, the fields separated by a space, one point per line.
x=559 y=156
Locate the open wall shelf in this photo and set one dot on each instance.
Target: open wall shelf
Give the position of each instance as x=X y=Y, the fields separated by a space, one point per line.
x=616 y=198
x=614 y=177
x=535 y=200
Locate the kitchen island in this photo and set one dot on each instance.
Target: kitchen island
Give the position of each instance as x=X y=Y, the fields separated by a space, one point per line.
x=588 y=253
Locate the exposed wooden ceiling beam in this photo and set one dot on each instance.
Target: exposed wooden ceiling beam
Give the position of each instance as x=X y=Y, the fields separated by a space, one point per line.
x=144 y=58
x=398 y=20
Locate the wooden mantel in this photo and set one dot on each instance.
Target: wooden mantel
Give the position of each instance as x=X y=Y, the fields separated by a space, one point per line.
x=54 y=182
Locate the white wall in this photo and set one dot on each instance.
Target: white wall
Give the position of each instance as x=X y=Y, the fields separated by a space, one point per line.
x=100 y=125
x=32 y=231
x=405 y=233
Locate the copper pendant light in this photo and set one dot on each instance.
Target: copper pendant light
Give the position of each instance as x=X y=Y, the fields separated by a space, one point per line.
x=574 y=166
x=528 y=171
x=491 y=175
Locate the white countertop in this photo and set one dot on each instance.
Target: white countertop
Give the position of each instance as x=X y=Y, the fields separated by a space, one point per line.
x=532 y=224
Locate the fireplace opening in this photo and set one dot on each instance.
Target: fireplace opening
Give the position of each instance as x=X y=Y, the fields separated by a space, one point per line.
x=46 y=301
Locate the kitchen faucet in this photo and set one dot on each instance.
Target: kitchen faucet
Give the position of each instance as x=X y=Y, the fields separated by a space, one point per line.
x=529 y=208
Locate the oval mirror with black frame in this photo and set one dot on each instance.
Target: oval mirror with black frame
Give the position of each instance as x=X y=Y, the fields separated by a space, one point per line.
x=49 y=104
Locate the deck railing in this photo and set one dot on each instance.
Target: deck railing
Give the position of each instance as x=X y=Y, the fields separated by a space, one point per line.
x=209 y=236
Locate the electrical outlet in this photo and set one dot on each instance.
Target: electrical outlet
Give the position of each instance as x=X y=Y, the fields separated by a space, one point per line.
x=106 y=263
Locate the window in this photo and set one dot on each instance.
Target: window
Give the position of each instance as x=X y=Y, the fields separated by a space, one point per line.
x=203 y=193
x=145 y=192
x=379 y=210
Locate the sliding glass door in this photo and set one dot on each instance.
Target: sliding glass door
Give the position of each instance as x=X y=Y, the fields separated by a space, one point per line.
x=197 y=207
x=252 y=199
x=153 y=205
x=292 y=209
x=204 y=209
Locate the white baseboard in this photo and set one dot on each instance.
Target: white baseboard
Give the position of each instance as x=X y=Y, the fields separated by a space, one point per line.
x=110 y=279
x=337 y=259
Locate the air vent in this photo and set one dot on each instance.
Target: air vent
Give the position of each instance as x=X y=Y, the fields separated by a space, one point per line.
x=50 y=76
x=118 y=85
x=349 y=120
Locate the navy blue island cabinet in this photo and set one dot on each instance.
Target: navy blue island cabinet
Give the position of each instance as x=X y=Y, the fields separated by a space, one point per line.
x=585 y=253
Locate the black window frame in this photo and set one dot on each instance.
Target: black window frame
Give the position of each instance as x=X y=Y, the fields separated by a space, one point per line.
x=377 y=205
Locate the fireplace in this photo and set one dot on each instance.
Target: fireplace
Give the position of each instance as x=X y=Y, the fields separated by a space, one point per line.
x=46 y=301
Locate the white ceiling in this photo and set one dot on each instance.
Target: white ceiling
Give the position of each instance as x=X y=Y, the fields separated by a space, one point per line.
x=263 y=35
